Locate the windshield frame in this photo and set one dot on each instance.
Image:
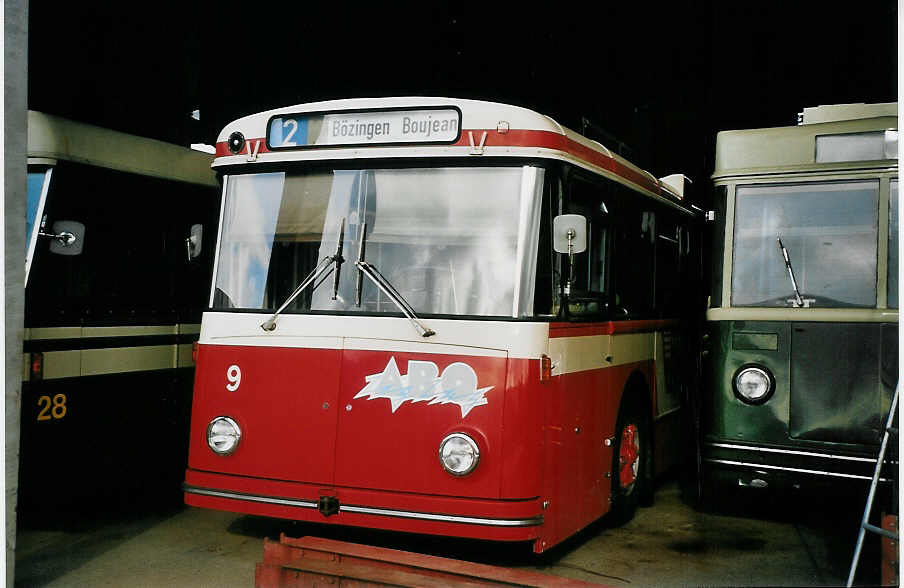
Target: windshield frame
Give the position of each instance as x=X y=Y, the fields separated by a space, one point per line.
x=782 y=187
x=547 y=171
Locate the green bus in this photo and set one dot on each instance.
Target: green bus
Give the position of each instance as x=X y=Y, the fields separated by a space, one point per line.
x=800 y=352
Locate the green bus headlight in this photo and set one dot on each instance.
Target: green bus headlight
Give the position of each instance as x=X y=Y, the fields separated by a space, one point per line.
x=753 y=384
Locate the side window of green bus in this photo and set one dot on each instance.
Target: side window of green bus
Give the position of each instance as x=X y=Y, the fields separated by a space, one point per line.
x=589 y=282
x=893 y=244
x=715 y=253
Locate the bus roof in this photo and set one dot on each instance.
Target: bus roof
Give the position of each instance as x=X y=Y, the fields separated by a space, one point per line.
x=829 y=137
x=839 y=112
x=52 y=138
x=484 y=128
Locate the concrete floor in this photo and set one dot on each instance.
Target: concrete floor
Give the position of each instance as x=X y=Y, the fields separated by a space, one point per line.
x=669 y=544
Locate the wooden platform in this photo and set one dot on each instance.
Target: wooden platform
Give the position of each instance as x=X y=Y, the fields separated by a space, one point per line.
x=312 y=561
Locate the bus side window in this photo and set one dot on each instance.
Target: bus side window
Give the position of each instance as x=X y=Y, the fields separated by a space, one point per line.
x=588 y=288
x=669 y=266
x=633 y=248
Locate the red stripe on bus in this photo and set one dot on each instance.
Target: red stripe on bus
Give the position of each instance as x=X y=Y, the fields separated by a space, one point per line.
x=557 y=330
x=513 y=138
x=553 y=140
x=223 y=148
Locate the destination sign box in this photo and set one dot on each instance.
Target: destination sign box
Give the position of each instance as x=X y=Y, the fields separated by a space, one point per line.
x=438 y=125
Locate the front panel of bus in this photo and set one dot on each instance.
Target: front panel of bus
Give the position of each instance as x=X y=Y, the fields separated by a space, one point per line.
x=803 y=338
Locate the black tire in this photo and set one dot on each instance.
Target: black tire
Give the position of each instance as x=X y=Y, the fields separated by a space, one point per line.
x=631 y=462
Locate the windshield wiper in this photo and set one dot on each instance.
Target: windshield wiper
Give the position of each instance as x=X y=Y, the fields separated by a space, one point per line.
x=359 y=280
x=797 y=297
x=327 y=263
x=337 y=257
x=367 y=269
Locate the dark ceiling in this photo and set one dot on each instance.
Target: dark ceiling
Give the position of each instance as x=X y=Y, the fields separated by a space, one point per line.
x=661 y=77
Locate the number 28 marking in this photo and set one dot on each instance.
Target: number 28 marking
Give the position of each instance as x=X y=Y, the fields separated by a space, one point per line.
x=52 y=409
x=233 y=377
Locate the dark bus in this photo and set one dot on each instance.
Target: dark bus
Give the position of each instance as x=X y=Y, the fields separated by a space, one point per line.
x=120 y=233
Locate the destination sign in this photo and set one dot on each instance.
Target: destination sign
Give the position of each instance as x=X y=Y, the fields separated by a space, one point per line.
x=439 y=125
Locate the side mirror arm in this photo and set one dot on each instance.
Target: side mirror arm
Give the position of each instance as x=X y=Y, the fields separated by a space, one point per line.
x=570 y=235
x=64 y=238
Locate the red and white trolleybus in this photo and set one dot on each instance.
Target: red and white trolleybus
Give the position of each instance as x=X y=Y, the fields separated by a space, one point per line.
x=439 y=316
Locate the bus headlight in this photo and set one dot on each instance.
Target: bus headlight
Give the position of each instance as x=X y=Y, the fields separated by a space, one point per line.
x=223 y=435
x=753 y=384
x=459 y=454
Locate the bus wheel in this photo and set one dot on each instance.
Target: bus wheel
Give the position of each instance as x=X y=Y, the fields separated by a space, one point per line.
x=630 y=464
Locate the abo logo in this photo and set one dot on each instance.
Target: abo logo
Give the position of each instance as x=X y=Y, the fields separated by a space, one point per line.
x=423 y=383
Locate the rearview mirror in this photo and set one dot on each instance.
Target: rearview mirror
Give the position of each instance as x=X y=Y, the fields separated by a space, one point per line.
x=569 y=233
x=193 y=242
x=67 y=238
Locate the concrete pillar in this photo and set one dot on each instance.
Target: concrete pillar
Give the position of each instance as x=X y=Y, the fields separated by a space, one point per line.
x=13 y=113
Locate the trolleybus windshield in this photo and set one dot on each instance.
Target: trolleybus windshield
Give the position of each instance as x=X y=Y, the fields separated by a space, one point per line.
x=451 y=240
x=829 y=230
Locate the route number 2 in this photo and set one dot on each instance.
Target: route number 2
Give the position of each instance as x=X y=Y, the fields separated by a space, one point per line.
x=287 y=141
x=234 y=377
x=54 y=408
